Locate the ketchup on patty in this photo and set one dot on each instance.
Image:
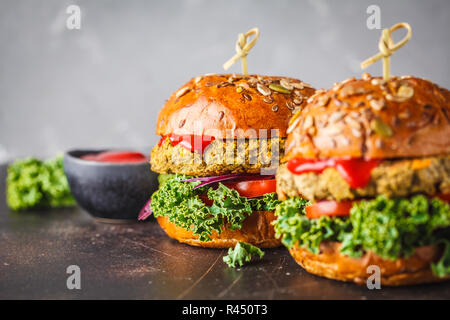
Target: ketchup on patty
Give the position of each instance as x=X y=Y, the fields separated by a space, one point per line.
x=355 y=171
x=190 y=142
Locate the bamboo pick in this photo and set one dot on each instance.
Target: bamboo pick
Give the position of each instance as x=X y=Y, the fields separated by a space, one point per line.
x=242 y=49
x=387 y=47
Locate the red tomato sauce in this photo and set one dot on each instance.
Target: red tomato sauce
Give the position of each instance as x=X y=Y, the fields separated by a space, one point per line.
x=355 y=171
x=190 y=142
x=116 y=157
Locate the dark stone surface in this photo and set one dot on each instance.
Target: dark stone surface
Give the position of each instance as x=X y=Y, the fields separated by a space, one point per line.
x=133 y=261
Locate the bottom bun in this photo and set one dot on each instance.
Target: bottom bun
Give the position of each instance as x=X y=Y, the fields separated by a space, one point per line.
x=257 y=229
x=330 y=263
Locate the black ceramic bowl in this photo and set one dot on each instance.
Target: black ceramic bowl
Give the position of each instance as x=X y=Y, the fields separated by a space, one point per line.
x=110 y=192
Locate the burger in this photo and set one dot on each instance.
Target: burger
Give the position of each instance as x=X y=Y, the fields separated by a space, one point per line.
x=365 y=182
x=221 y=140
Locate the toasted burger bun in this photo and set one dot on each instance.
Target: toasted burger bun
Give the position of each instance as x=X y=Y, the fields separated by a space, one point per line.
x=226 y=106
x=256 y=230
x=371 y=118
x=330 y=263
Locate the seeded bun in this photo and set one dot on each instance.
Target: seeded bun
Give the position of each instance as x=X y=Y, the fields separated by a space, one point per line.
x=329 y=263
x=218 y=105
x=256 y=230
x=372 y=118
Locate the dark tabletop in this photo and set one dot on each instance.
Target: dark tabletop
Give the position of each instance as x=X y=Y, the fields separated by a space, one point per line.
x=137 y=261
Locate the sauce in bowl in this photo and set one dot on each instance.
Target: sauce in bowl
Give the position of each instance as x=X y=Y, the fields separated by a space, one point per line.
x=116 y=157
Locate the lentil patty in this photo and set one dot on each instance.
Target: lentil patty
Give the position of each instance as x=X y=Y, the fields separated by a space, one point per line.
x=392 y=178
x=220 y=157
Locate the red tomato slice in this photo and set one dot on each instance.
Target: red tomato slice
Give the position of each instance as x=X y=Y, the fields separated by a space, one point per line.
x=248 y=189
x=443 y=196
x=342 y=208
x=206 y=200
x=253 y=188
x=329 y=208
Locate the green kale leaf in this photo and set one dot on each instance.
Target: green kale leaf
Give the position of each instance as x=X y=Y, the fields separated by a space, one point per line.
x=294 y=227
x=241 y=253
x=442 y=267
x=32 y=183
x=163 y=178
x=181 y=204
x=391 y=228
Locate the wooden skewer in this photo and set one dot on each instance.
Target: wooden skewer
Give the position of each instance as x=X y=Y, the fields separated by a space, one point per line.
x=387 y=47
x=242 y=49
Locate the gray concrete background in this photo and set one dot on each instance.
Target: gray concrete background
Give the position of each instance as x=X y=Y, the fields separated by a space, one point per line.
x=102 y=86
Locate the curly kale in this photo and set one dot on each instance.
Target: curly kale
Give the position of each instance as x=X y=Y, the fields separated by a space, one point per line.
x=391 y=228
x=294 y=227
x=182 y=205
x=395 y=227
x=241 y=253
x=32 y=183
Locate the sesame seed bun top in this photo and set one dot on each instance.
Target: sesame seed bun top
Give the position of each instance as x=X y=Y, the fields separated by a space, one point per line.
x=372 y=118
x=227 y=106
